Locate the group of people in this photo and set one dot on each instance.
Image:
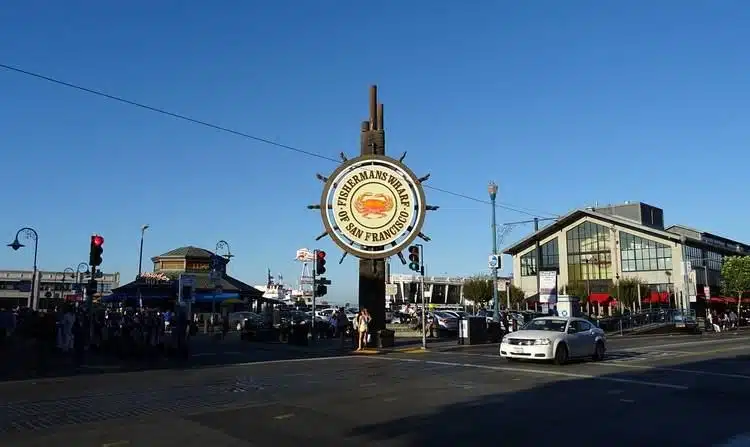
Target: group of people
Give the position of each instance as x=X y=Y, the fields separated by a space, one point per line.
x=360 y=326
x=721 y=322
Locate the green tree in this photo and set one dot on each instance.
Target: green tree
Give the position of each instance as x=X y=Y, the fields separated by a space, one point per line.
x=478 y=288
x=628 y=291
x=735 y=276
x=578 y=290
x=517 y=296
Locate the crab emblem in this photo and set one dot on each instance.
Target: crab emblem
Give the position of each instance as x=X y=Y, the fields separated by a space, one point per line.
x=371 y=205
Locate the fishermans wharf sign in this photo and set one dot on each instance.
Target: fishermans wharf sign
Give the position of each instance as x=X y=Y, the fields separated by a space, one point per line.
x=373 y=206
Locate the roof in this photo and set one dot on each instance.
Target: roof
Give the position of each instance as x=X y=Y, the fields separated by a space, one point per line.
x=202 y=282
x=576 y=215
x=187 y=252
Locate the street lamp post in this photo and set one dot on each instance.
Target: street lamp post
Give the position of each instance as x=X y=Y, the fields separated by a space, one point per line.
x=669 y=287
x=492 y=190
x=140 y=254
x=62 y=287
x=82 y=268
x=140 y=266
x=224 y=245
x=29 y=233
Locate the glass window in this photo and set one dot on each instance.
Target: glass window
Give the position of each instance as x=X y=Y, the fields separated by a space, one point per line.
x=588 y=252
x=639 y=254
x=550 y=258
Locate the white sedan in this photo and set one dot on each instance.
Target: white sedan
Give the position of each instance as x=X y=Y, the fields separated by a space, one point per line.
x=555 y=338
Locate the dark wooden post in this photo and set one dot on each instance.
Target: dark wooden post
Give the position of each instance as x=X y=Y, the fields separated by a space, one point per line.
x=372 y=271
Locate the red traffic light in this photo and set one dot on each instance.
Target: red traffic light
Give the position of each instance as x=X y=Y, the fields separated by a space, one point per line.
x=414 y=250
x=321 y=254
x=97 y=240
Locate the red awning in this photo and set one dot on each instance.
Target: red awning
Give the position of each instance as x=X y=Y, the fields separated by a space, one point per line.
x=657 y=297
x=600 y=298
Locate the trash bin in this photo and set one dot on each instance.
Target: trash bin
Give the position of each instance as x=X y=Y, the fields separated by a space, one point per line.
x=472 y=330
x=387 y=338
x=298 y=334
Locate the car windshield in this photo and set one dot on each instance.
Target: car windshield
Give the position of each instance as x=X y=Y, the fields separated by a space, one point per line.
x=546 y=324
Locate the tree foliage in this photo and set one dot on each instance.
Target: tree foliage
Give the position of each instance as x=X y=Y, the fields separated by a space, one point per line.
x=735 y=275
x=478 y=288
x=628 y=291
x=576 y=289
x=516 y=295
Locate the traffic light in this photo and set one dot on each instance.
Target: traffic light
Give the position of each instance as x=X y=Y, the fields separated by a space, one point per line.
x=95 y=254
x=320 y=262
x=321 y=290
x=414 y=263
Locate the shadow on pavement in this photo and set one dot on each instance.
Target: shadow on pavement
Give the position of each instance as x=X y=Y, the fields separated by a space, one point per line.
x=29 y=359
x=701 y=403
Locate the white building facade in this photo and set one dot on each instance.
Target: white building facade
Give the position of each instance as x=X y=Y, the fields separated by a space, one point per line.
x=601 y=246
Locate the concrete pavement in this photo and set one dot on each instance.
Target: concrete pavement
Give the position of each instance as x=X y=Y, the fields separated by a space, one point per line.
x=695 y=393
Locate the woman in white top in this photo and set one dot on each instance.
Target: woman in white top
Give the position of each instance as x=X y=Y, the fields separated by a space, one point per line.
x=361 y=326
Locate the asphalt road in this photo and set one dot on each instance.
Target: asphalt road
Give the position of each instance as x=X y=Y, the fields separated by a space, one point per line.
x=691 y=390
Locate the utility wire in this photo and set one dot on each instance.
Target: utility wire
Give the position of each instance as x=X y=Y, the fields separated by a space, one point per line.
x=199 y=122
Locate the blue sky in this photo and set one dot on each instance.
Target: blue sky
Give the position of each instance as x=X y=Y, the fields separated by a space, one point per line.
x=563 y=104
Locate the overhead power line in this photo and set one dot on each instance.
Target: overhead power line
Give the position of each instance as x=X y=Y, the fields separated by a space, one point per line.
x=506 y=206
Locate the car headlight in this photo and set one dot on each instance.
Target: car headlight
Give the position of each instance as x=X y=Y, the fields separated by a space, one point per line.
x=542 y=341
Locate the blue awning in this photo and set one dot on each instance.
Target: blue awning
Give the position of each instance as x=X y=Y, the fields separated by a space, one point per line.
x=219 y=297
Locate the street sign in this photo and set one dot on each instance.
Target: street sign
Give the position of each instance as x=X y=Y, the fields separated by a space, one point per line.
x=323 y=281
x=494 y=262
x=186 y=284
x=391 y=289
x=214 y=276
x=187 y=280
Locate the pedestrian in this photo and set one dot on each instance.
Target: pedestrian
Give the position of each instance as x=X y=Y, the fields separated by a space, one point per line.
x=361 y=327
x=341 y=323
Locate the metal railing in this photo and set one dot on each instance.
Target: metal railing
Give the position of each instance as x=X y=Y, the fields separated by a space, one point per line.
x=633 y=321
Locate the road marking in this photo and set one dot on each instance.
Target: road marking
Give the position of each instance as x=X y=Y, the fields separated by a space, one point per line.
x=366 y=352
x=627 y=401
x=203 y=354
x=689 y=343
x=116 y=444
x=676 y=370
x=614 y=392
x=411 y=350
x=390 y=399
x=545 y=373
x=284 y=416
x=368 y=385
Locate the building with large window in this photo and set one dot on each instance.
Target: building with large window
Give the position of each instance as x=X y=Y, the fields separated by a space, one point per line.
x=600 y=246
x=50 y=288
x=438 y=290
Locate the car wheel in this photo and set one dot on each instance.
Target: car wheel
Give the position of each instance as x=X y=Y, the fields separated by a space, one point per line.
x=561 y=355
x=599 y=351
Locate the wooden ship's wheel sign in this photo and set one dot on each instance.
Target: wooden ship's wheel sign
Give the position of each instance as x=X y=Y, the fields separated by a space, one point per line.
x=373 y=207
